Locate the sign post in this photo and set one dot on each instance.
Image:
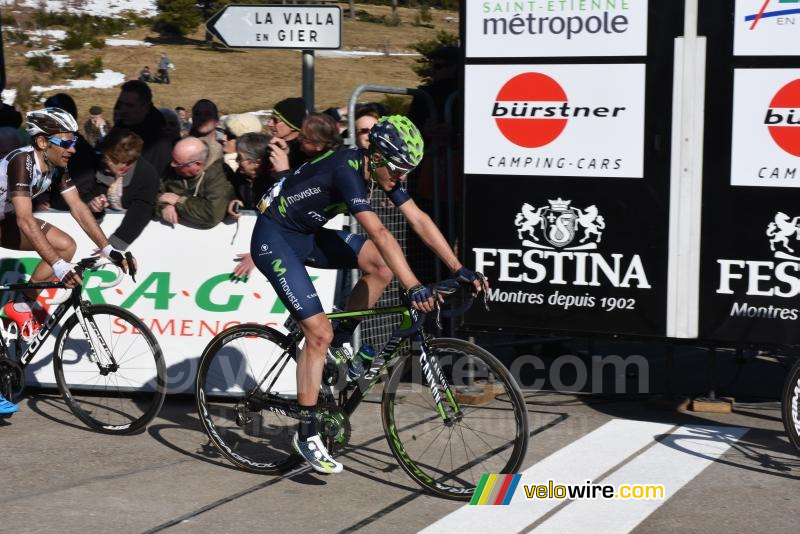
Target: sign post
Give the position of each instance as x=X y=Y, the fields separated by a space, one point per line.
x=306 y=28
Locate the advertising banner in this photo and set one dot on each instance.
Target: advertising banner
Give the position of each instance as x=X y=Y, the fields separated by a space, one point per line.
x=555 y=120
x=750 y=260
x=556 y=28
x=584 y=262
x=183 y=291
x=767 y=28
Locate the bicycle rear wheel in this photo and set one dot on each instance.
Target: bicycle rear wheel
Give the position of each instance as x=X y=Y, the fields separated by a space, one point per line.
x=239 y=361
x=490 y=436
x=790 y=405
x=120 y=385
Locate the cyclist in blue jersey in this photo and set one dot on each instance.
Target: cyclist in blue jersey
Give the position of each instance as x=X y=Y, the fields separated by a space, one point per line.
x=289 y=235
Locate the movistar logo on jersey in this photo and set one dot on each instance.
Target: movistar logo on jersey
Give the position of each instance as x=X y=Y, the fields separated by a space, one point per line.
x=278 y=268
x=282 y=205
x=310 y=192
x=354 y=163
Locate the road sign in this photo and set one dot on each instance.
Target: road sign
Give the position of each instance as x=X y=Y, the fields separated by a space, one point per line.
x=278 y=26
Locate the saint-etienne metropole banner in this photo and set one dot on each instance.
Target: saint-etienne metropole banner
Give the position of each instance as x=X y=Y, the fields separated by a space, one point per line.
x=750 y=274
x=183 y=291
x=567 y=118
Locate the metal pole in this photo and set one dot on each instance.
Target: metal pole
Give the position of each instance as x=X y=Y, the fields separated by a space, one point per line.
x=308 y=78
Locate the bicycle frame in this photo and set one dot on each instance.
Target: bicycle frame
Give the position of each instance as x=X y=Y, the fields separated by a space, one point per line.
x=352 y=395
x=54 y=318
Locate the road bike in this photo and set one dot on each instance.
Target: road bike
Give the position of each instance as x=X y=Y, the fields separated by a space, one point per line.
x=108 y=365
x=790 y=405
x=451 y=411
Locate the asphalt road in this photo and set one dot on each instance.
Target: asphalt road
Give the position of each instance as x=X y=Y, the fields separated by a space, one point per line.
x=722 y=473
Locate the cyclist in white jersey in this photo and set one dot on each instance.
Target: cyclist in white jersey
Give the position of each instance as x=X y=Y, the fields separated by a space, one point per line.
x=26 y=173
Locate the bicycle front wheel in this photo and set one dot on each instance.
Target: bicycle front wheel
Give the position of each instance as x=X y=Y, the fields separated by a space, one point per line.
x=790 y=405
x=110 y=370
x=490 y=435
x=240 y=362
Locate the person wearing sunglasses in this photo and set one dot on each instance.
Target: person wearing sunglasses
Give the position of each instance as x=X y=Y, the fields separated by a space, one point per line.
x=26 y=173
x=290 y=235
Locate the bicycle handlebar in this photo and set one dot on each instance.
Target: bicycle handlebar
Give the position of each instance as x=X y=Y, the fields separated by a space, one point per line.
x=443 y=289
x=92 y=263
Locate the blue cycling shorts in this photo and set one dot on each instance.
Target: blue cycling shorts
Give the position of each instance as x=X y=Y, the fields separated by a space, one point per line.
x=282 y=255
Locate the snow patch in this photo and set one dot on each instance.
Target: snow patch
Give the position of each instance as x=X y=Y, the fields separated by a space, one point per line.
x=102 y=80
x=59 y=59
x=361 y=53
x=126 y=42
x=99 y=8
x=9 y=96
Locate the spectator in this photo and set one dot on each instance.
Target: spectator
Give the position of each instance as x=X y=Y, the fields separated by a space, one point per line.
x=320 y=133
x=124 y=181
x=191 y=193
x=134 y=110
x=284 y=124
x=95 y=127
x=184 y=120
x=366 y=117
x=205 y=119
x=172 y=123
x=252 y=181
x=235 y=127
x=164 y=64
x=81 y=165
x=9 y=140
x=9 y=116
x=145 y=75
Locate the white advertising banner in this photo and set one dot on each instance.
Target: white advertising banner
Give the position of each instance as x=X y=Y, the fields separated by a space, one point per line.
x=765 y=150
x=183 y=291
x=556 y=28
x=555 y=120
x=767 y=28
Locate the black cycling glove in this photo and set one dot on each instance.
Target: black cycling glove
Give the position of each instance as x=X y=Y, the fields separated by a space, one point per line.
x=118 y=257
x=419 y=294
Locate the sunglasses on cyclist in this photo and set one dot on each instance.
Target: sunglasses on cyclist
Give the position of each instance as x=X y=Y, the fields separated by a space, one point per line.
x=66 y=144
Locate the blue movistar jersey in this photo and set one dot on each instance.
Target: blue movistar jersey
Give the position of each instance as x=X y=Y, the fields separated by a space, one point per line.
x=320 y=189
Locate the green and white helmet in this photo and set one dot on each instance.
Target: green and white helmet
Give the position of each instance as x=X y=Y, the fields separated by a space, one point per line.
x=398 y=140
x=50 y=121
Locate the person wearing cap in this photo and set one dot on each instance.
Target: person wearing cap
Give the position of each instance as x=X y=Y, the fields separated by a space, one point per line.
x=285 y=124
x=205 y=119
x=95 y=127
x=237 y=125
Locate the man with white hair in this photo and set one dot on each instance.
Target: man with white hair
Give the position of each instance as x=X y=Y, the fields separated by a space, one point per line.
x=190 y=193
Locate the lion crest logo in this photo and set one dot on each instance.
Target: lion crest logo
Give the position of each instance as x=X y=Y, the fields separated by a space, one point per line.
x=557 y=225
x=781 y=231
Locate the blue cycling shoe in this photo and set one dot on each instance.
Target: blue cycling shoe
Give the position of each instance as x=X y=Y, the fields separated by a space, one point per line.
x=7 y=407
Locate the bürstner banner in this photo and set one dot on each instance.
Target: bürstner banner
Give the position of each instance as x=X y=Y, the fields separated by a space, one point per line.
x=183 y=291
x=556 y=28
x=555 y=120
x=767 y=28
x=765 y=150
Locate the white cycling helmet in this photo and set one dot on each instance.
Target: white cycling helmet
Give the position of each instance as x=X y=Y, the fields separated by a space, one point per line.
x=50 y=121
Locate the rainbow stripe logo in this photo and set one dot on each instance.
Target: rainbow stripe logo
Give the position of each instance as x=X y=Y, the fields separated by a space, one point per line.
x=495 y=489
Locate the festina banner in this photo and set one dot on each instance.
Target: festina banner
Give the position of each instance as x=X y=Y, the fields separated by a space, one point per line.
x=559 y=256
x=183 y=292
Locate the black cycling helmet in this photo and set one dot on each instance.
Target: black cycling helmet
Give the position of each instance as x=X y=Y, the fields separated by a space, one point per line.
x=398 y=140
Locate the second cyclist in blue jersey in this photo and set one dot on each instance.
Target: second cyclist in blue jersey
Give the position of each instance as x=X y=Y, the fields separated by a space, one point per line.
x=291 y=235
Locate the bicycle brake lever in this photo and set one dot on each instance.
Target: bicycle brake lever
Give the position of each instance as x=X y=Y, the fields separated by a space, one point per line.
x=482 y=279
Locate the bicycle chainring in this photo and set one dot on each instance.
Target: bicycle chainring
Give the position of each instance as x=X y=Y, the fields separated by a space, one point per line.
x=334 y=426
x=12 y=378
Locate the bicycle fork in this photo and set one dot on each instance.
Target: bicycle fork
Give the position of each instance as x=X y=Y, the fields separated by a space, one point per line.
x=436 y=380
x=94 y=352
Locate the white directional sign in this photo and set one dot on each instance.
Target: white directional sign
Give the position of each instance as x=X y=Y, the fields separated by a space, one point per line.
x=278 y=26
